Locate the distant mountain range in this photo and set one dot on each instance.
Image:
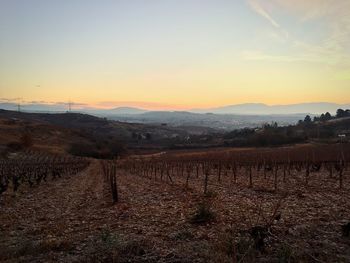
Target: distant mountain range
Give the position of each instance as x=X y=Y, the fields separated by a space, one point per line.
x=263 y=109
x=238 y=109
x=222 y=118
x=60 y=107
x=114 y=111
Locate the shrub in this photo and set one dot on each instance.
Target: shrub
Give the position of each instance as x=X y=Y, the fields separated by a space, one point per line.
x=83 y=150
x=203 y=214
x=98 y=149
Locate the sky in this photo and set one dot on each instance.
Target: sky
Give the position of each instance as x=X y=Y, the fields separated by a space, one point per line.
x=174 y=54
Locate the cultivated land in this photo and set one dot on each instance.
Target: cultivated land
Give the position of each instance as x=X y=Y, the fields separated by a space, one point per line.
x=280 y=204
x=247 y=213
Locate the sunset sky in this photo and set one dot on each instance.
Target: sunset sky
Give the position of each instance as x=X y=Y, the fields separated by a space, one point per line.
x=175 y=54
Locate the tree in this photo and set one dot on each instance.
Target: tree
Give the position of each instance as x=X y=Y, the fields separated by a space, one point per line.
x=148 y=136
x=307 y=119
x=134 y=135
x=327 y=116
x=340 y=113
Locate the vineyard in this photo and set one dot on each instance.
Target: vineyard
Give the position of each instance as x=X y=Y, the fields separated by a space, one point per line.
x=273 y=168
x=32 y=169
x=236 y=205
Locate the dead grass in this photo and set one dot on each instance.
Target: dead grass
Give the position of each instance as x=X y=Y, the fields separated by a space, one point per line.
x=34 y=248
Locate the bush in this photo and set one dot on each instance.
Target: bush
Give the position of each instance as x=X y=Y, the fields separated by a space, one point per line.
x=98 y=149
x=83 y=150
x=203 y=214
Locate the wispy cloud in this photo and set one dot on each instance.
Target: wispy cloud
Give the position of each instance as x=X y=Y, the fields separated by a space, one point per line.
x=8 y=100
x=310 y=9
x=140 y=104
x=310 y=57
x=41 y=102
x=333 y=16
x=258 y=8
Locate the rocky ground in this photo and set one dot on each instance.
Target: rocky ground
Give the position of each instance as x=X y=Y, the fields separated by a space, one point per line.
x=72 y=219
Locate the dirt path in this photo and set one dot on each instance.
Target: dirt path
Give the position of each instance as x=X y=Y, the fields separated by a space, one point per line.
x=63 y=220
x=57 y=212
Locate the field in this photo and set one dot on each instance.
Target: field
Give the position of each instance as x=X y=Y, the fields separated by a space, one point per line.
x=251 y=205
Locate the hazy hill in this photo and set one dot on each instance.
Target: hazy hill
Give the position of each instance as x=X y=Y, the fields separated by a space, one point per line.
x=63 y=107
x=93 y=128
x=115 y=111
x=263 y=109
x=238 y=109
x=222 y=119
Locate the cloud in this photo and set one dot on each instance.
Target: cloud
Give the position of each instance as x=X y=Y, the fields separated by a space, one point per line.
x=41 y=102
x=10 y=99
x=279 y=33
x=256 y=6
x=309 y=57
x=329 y=48
x=139 y=104
x=310 y=9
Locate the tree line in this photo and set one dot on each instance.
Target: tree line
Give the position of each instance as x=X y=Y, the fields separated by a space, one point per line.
x=326 y=116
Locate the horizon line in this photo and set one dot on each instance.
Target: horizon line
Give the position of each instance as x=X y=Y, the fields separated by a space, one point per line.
x=147 y=106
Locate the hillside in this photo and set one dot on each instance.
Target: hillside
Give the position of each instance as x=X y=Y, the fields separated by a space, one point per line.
x=60 y=130
x=45 y=137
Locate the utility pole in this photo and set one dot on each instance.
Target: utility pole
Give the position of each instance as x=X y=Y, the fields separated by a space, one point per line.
x=69 y=106
x=19 y=107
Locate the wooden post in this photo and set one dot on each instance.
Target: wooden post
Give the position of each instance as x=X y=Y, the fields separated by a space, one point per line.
x=206 y=173
x=234 y=170
x=188 y=174
x=341 y=168
x=250 y=176
x=276 y=172
x=307 y=173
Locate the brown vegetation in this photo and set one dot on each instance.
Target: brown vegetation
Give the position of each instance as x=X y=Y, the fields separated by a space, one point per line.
x=267 y=205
